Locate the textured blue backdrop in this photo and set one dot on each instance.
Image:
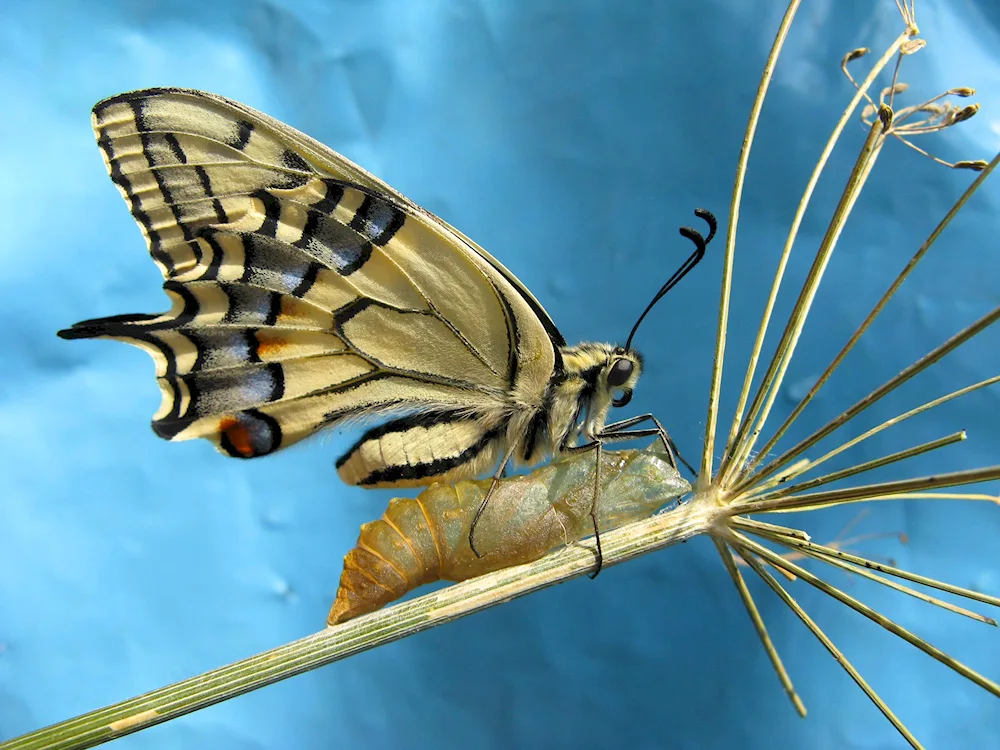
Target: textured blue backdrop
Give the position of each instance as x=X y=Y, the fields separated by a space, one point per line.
x=570 y=140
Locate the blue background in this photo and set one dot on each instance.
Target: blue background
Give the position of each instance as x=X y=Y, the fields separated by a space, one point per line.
x=570 y=139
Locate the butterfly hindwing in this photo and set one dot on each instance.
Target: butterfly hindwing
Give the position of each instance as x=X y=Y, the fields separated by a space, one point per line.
x=305 y=291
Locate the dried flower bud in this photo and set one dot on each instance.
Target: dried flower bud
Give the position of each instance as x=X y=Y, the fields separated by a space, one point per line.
x=885 y=114
x=854 y=54
x=976 y=166
x=965 y=113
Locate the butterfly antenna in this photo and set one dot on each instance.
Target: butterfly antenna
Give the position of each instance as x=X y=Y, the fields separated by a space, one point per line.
x=700 y=242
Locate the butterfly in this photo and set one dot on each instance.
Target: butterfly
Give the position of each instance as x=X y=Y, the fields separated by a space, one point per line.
x=307 y=293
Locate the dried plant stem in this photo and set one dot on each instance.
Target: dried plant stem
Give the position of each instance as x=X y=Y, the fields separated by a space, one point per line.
x=774 y=375
x=863 y=570
x=758 y=623
x=830 y=553
x=875 y=463
x=907 y=10
x=711 y=422
x=771 y=528
x=890 y=385
x=865 y=573
x=804 y=465
x=941 y=496
x=875 y=312
x=865 y=492
x=823 y=638
x=840 y=542
x=734 y=537
x=365 y=632
x=793 y=234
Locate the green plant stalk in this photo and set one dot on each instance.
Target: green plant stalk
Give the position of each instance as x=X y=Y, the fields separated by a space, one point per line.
x=367 y=632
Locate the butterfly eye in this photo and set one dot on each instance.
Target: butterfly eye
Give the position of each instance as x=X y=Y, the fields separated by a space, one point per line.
x=620 y=372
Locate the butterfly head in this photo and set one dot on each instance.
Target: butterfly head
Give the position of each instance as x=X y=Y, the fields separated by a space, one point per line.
x=595 y=378
x=607 y=374
x=620 y=375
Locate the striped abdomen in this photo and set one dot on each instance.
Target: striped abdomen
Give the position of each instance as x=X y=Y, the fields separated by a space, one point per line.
x=425 y=539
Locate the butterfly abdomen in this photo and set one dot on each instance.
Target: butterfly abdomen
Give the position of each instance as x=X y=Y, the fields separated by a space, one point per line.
x=411 y=451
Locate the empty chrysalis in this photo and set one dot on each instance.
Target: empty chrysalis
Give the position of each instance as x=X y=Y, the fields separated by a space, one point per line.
x=425 y=539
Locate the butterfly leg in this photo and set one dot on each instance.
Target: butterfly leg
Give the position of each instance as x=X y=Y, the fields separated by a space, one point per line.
x=597 y=446
x=500 y=472
x=615 y=429
x=618 y=432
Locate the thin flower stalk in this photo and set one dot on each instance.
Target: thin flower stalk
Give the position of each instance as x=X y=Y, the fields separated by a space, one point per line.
x=741 y=437
x=715 y=387
x=875 y=312
x=876 y=617
x=863 y=493
x=890 y=385
x=793 y=232
x=862 y=568
x=823 y=638
x=875 y=463
x=838 y=553
x=804 y=465
x=758 y=623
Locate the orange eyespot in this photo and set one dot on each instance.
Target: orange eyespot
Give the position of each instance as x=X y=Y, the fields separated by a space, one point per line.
x=269 y=346
x=238 y=436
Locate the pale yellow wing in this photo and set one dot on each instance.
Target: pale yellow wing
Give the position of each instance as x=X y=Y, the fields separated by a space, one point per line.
x=306 y=292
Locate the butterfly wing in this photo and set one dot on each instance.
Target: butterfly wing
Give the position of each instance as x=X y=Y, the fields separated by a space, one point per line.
x=306 y=292
x=330 y=162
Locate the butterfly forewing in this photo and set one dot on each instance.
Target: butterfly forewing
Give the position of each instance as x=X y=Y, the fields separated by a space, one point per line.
x=307 y=292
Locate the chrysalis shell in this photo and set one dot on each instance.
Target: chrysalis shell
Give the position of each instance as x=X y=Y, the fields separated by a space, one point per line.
x=424 y=539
